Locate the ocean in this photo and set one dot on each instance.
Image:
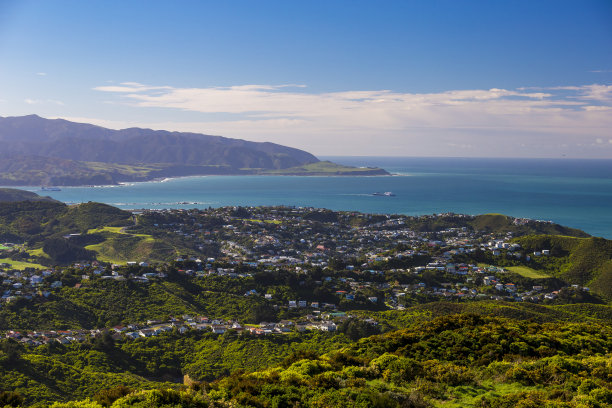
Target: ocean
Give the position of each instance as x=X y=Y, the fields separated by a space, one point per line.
x=576 y=193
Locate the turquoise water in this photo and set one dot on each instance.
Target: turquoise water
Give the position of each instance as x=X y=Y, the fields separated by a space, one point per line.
x=576 y=193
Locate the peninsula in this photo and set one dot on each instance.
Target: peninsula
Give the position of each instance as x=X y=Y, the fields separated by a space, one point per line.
x=38 y=151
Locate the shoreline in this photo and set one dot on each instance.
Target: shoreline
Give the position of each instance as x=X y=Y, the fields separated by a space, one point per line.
x=167 y=179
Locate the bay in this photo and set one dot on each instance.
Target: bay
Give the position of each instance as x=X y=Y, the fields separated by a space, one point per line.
x=576 y=193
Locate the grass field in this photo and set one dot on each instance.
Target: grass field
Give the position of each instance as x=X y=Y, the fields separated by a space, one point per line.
x=527 y=272
x=19 y=265
x=114 y=230
x=117 y=230
x=262 y=221
x=320 y=168
x=470 y=395
x=38 y=253
x=120 y=246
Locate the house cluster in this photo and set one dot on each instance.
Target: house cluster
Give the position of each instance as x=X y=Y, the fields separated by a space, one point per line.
x=31 y=283
x=372 y=259
x=317 y=321
x=27 y=284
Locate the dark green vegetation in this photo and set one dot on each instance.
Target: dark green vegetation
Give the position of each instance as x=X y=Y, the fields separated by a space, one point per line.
x=583 y=261
x=32 y=220
x=459 y=352
x=493 y=223
x=461 y=360
x=97 y=233
x=38 y=151
x=576 y=260
x=458 y=361
x=81 y=370
x=105 y=303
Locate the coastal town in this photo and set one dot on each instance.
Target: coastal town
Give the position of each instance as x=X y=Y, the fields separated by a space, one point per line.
x=340 y=262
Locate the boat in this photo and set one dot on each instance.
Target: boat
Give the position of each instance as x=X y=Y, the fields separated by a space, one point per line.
x=385 y=194
x=50 y=189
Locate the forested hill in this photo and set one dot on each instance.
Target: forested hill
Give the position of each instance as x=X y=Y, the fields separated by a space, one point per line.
x=35 y=136
x=13 y=195
x=493 y=223
x=38 y=151
x=458 y=360
x=41 y=221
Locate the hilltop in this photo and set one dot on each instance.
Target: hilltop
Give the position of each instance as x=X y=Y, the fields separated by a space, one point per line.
x=14 y=195
x=39 y=151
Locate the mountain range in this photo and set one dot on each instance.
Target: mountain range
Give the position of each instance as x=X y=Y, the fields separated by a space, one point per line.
x=43 y=151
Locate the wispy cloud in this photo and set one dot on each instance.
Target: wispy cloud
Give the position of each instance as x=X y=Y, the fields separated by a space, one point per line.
x=131 y=87
x=432 y=122
x=43 y=101
x=593 y=92
x=41 y=73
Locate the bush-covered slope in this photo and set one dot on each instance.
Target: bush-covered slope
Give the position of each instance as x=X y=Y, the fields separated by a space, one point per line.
x=458 y=360
x=492 y=223
x=584 y=312
x=36 y=220
x=13 y=194
x=583 y=261
x=503 y=223
x=43 y=225
x=62 y=372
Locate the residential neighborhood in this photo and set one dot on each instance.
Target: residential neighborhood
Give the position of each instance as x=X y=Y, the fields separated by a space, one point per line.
x=336 y=262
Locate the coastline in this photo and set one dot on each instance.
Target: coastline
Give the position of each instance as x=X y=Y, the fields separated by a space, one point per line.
x=573 y=193
x=166 y=179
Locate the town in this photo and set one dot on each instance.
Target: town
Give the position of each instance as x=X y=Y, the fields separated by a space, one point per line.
x=337 y=262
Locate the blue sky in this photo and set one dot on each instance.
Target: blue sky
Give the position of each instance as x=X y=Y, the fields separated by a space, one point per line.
x=413 y=78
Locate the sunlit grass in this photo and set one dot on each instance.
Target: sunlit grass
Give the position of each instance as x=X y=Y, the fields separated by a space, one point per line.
x=527 y=272
x=121 y=246
x=21 y=265
x=471 y=395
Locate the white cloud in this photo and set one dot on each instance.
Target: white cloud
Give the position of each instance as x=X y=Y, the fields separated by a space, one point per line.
x=41 y=73
x=387 y=122
x=43 y=101
x=130 y=87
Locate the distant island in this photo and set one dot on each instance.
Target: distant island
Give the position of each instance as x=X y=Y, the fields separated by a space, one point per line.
x=38 y=151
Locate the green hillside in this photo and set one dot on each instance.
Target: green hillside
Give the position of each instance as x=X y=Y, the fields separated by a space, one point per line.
x=582 y=261
x=458 y=361
x=42 y=225
x=492 y=223
x=49 y=373
x=503 y=223
x=13 y=194
x=36 y=220
x=116 y=245
x=397 y=319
